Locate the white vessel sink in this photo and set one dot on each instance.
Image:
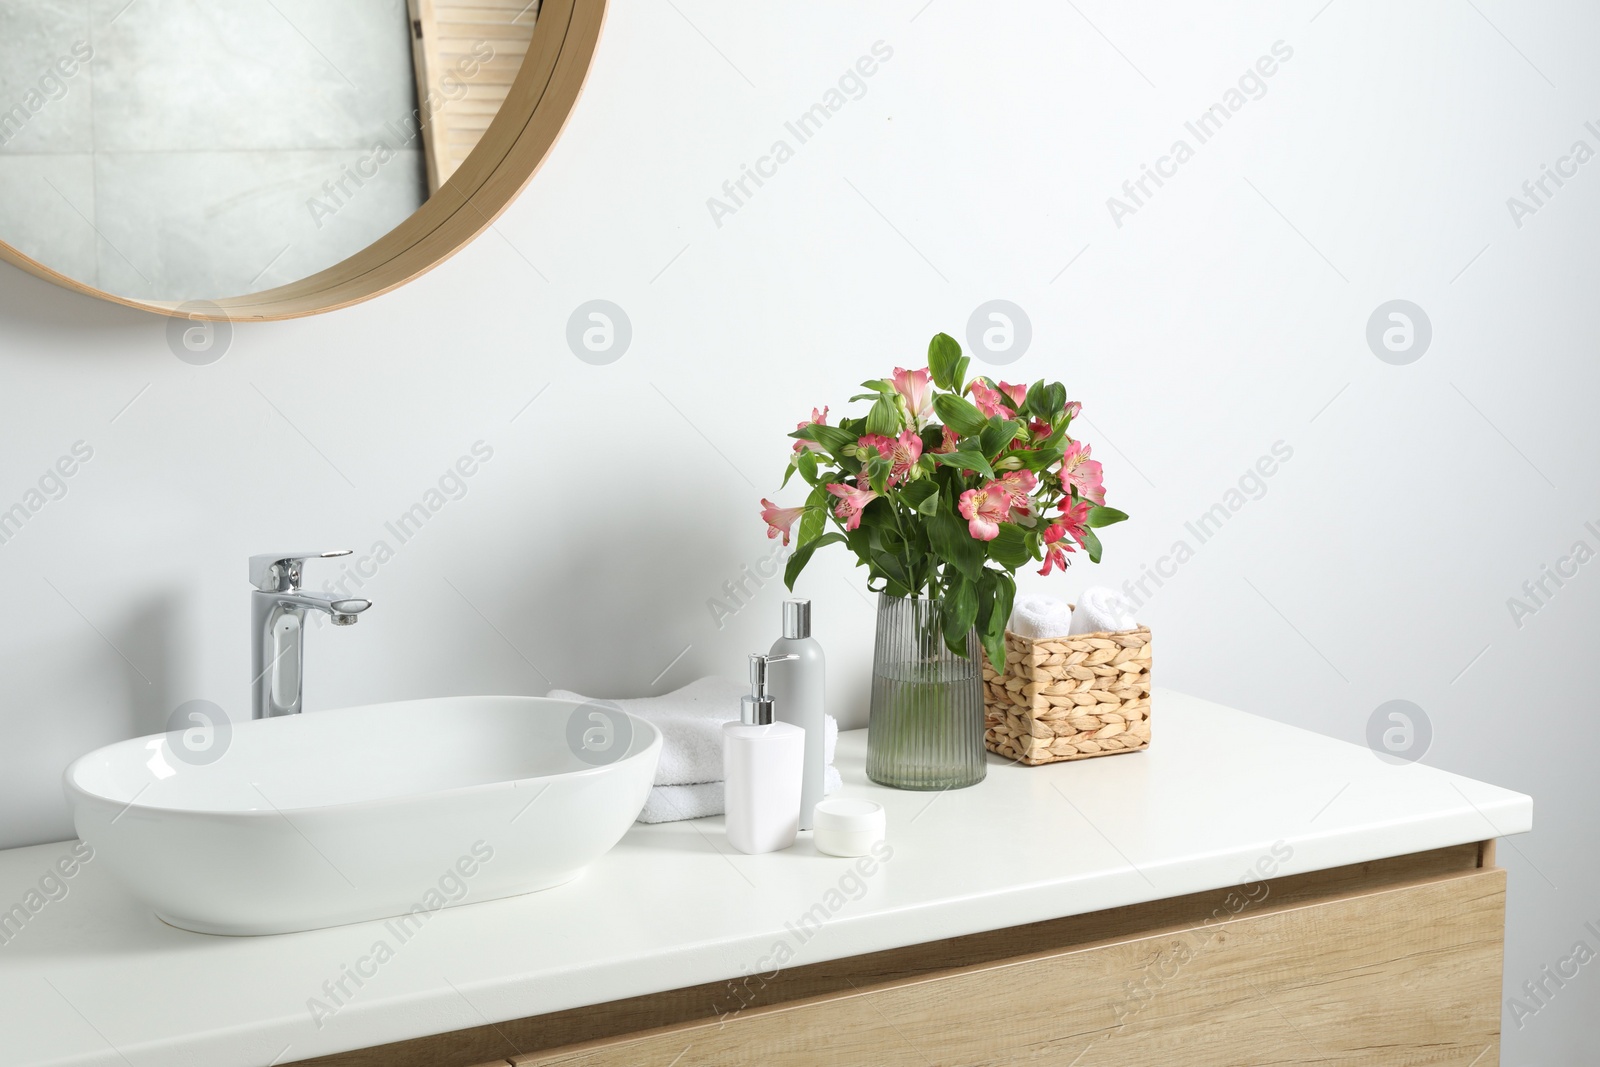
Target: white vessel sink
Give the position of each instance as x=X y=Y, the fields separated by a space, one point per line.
x=335 y=817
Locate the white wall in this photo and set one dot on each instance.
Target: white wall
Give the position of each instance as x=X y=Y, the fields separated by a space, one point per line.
x=1228 y=314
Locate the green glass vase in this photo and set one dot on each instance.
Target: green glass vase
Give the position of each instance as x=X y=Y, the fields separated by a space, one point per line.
x=926 y=725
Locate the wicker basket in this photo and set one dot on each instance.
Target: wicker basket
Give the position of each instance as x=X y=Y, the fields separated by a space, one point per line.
x=1069 y=697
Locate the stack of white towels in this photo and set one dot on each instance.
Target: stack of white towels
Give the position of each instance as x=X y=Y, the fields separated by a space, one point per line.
x=1099 y=610
x=689 y=777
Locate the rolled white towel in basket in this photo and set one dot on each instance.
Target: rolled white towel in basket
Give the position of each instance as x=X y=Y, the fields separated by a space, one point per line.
x=1102 y=610
x=1040 y=616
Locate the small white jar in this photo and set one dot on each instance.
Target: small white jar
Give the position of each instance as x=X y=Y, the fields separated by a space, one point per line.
x=848 y=827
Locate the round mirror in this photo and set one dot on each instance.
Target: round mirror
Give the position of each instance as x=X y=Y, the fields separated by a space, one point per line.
x=263 y=159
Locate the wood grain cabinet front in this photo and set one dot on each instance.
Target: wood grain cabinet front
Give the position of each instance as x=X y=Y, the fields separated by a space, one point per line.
x=1408 y=975
x=1394 y=962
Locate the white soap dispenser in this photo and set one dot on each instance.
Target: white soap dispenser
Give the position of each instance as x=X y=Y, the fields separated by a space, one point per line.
x=762 y=764
x=799 y=689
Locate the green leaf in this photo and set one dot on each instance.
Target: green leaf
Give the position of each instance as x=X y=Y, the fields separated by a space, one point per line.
x=1009 y=547
x=802 y=556
x=1005 y=596
x=985 y=599
x=960 y=608
x=1037 y=402
x=859 y=541
x=894 y=588
x=986 y=621
x=807 y=462
x=945 y=362
x=884 y=418
x=993 y=634
x=930 y=505
x=986 y=589
x=994 y=645
x=965 y=461
x=816 y=516
x=1058 y=400
x=878 y=515
x=996 y=436
x=892 y=568
x=1040 y=458
x=960 y=414
x=831 y=438
x=1091 y=543
x=878 y=470
x=881 y=386
x=948 y=536
x=1103 y=516
x=914 y=493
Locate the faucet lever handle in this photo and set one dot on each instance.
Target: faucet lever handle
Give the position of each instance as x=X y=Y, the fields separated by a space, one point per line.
x=281 y=571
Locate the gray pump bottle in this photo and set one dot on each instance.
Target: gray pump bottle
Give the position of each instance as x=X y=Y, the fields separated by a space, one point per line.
x=798 y=686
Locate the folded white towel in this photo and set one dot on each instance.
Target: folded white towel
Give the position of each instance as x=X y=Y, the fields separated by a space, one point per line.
x=672 y=803
x=689 y=773
x=1040 y=616
x=691 y=721
x=1102 y=610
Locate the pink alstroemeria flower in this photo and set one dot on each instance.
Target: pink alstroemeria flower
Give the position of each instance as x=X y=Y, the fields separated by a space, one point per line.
x=1077 y=469
x=1017 y=393
x=852 y=502
x=907 y=450
x=912 y=385
x=985 y=509
x=818 y=418
x=779 y=520
x=902 y=452
x=987 y=400
x=1075 y=517
x=1072 y=409
x=949 y=441
x=1056 y=546
x=874 y=442
x=1019 y=485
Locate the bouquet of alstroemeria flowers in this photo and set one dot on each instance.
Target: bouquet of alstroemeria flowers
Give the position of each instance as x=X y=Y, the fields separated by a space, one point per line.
x=950 y=508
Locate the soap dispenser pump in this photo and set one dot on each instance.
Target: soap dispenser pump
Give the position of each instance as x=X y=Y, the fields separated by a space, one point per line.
x=763 y=762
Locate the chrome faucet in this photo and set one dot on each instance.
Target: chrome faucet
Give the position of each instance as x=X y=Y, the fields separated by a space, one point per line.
x=278 y=608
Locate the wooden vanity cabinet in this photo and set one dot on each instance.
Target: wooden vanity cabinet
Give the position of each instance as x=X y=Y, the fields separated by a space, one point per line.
x=1396 y=961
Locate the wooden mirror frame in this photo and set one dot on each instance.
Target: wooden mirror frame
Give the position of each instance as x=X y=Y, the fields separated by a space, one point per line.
x=515 y=144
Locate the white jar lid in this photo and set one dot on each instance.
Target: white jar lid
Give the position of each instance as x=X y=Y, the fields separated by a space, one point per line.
x=848 y=827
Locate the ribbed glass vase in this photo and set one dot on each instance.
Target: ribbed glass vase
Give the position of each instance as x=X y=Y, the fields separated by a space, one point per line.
x=926 y=727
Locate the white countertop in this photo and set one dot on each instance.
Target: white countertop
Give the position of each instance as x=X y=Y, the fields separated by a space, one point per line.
x=95 y=978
